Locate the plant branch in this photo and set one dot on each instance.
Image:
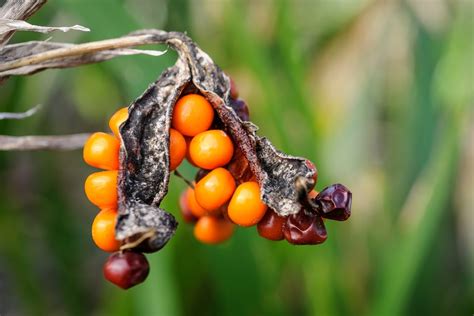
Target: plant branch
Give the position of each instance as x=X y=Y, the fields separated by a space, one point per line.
x=21 y=115
x=28 y=58
x=63 y=142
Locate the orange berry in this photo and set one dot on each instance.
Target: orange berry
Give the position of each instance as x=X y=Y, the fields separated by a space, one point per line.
x=213 y=230
x=101 y=150
x=103 y=230
x=245 y=207
x=194 y=207
x=177 y=148
x=117 y=119
x=101 y=188
x=211 y=149
x=312 y=194
x=192 y=115
x=215 y=189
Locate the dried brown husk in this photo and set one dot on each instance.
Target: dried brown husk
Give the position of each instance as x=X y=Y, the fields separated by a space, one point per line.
x=144 y=157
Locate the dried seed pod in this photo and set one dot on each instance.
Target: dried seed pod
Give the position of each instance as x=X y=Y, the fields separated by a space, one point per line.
x=284 y=180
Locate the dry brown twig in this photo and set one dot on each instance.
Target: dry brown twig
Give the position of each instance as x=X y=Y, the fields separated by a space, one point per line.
x=31 y=57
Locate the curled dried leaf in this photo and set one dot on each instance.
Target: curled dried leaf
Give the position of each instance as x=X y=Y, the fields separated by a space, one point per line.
x=8 y=25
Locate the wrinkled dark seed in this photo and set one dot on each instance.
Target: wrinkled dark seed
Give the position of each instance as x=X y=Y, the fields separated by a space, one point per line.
x=305 y=229
x=335 y=202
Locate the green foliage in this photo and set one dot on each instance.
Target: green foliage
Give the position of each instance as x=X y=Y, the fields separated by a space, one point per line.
x=378 y=94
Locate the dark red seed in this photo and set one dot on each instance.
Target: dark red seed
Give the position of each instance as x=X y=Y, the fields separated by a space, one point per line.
x=335 y=202
x=126 y=269
x=240 y=107
x=184 y=207
x=234 y=93
x=271 y=226
x=304 y=229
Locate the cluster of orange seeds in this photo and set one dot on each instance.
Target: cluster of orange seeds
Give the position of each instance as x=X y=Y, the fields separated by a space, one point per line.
x=102 y=151
x=215 y=203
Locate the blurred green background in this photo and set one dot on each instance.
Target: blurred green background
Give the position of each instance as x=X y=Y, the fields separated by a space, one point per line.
x=379 y=94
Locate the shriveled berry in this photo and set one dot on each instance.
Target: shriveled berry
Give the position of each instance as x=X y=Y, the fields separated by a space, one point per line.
x=103 y=230
x=335 y=202
x=177 y=148
x=117 y=119
x=185 y=207
x=304 y=229
x=245 y=208
x=192 y=115
x=215 y=189
x=101 y=188
x=101 y=150
x=271 y=226
x=126 y=269
x=241 y=109
x=213 y=230
x=211 y=149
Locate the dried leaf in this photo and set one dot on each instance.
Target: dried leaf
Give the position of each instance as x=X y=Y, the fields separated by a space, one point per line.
x=8 y=25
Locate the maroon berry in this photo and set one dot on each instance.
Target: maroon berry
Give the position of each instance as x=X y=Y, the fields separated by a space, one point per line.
x=335 y=202
x=126 y=269
x=271 y=226
x=234 y=93
x=304 y=229
x=240 y=107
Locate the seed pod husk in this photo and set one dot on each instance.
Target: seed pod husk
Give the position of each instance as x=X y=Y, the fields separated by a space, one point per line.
x=144 y=156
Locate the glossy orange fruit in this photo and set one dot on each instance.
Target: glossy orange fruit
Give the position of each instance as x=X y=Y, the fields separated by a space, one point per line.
x=192 y=115
x=117 y=119
x=103 y=230
x=213 y=230
x=194 y=207
x=101 y=188
x=214 y=189
x=211 y=149
x=101 y=150
x=246 y=208
x=177 y=148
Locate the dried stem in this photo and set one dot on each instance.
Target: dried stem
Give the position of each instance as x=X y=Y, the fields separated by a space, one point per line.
x=19 y=116
x=63 y=142
x=78 y=50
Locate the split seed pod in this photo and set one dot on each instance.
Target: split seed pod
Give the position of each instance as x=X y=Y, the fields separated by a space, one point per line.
x=144 y=155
